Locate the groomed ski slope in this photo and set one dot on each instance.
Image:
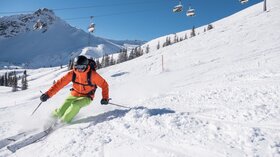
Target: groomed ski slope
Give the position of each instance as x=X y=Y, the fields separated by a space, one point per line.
x=218 y=96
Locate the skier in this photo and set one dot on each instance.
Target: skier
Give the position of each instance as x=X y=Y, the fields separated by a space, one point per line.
x=85 y=79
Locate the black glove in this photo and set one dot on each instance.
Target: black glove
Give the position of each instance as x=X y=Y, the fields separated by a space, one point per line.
x=104 y=101
x=44 y=97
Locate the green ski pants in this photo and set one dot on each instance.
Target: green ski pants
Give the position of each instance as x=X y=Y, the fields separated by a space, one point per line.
x=71 y=107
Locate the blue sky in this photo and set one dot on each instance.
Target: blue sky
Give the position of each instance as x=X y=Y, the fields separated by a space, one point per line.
x=132 y=19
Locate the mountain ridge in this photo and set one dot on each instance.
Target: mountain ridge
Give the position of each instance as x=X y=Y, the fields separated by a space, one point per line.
x=55 y=42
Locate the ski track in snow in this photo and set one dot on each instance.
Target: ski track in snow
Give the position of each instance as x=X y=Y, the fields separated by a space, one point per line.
x=218 y=96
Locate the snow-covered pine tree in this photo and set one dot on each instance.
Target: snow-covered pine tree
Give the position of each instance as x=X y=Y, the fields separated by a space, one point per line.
x=125 y=55
x=6 y=79
x=103 y=62
x=10 y=79
x=14 y=82
x=147 y=49
x=24 y=82
x=132 y=54
x=98 y=65
x=168 y=41
x=119 y=60
x=137 y=52
x=122 y=57
x=106 y=61
x=186 y=36
x=112 y=61
x=175 y=40
x=70 y=64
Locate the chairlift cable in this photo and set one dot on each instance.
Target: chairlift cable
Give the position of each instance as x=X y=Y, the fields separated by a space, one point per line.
x=106 y=15
x=83 y=7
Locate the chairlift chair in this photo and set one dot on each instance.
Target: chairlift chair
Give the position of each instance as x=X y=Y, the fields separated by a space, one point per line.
x=91 y=27
x=178 y=8
x=243 y=1
x=190 y=12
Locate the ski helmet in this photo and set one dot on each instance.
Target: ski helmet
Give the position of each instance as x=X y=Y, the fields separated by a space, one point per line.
x=91 y=62
x=81 y=63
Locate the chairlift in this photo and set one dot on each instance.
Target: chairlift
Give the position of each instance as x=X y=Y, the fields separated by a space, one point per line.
x=178 y=8
x=190 y=12
x=243 y=1
x=91 y=27
x=38 y=25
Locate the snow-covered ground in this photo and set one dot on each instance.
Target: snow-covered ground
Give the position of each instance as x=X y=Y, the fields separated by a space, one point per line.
x=219 y=95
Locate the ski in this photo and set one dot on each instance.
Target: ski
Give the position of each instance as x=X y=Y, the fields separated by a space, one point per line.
x=6 y=141
x=31 y=139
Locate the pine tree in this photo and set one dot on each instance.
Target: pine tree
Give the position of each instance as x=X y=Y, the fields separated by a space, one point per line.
x=107 y=61
x=186 y=36
x=164 y=44
x=6 y=79
x=131 y=54
x=98 y=65
x=122 y=57
x=158 y=45
x=147 y=49
x=125 y=56
x=2 y=80
x=209 y=27
x=193 y=32
x=141 y=51
x=137 y=52
x=70 y=64
x=103 y=62
x=119 y=60
x=167 y=40
x=10 y=79
x=14 y=82
x=175 y=40
x=24 y=82
x=112 y=61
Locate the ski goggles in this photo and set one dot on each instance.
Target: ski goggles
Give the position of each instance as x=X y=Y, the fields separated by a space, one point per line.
x=80 y=67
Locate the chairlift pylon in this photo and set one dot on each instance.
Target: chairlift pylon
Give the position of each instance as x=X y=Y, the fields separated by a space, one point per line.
x=178 y=8
x=91 y=27
x=190 y=12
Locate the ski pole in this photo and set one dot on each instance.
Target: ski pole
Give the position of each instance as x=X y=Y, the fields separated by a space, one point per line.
x=118 y=105
x=37 y=108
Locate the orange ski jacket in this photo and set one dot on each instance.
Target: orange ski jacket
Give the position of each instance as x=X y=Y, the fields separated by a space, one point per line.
x=77 y=88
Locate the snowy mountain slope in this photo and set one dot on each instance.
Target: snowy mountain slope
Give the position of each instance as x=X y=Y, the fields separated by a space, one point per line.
x=55 y=42
x=218 y=96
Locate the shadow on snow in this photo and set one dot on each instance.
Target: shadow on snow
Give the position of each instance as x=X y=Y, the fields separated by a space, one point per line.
x=118 y=113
